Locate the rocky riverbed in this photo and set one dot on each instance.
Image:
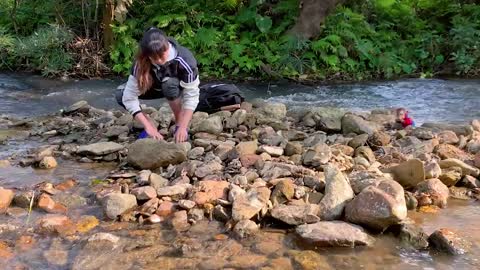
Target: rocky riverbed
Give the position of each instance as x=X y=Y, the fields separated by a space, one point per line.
x=259 y=188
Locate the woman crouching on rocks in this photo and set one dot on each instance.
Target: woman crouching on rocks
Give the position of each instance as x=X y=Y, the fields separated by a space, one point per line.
x=162 y=69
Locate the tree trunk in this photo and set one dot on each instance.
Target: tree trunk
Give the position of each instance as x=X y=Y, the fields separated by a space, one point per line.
x=312 y=14
x=107 y=20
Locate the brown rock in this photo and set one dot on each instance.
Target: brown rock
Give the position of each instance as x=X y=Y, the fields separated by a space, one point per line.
x=470 y=182
x=249 y=160
x=247 y=148
x=309 y=260
x=448 y=137
x=466 y=169
x=293 y=148
x=476 y=160
x=451 y=176
x=248 y=205
x=6 y=252
x=409 y=173
x=449 y=242
x=378 y=207
x=165 y=209
x=210 y=191
x=296 y=214
x=47 y=163
x=280 y=263
x=338 y=193
x=25 y=242
x=47 y=204
x=144 y=193
x=378 y=139
x=6 y=197
x=334 y=234
x=317 y=156
x=432 y=170
x=344 y=149
x=365 y=152
x=66 y=185
x=53 y=223
x=283 y=192
x=445 y=151
x=247 y=261
x=245 y=228
x=180 y=221
x=87 y=223
x=437 y=191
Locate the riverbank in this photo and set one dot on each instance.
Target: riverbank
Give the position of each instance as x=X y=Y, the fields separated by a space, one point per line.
x=256 y=188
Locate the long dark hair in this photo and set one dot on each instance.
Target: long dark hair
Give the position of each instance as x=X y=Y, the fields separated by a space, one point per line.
x=154 y=44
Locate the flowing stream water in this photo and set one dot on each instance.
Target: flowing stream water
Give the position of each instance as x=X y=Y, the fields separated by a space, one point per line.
x=428 y=100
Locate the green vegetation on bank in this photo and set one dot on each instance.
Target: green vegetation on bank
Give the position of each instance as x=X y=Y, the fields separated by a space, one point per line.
x=237 y=39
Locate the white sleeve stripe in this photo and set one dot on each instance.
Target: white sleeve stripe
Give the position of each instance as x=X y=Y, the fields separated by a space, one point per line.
x=187 y=68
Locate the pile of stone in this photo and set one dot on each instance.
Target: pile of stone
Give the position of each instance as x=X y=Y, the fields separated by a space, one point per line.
x=337 y=177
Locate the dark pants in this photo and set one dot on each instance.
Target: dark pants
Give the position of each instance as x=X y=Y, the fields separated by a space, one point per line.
x=170 y=90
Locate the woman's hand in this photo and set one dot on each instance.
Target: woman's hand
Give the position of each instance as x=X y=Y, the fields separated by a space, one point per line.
x=181 y=134
x=153 y=132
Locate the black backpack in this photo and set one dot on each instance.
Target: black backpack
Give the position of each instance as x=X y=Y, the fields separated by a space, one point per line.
x=215 y=96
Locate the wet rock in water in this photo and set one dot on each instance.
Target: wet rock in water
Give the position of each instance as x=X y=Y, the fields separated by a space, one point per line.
x=334 y=234
x=245 y=228
x=176 y=191
x=48 y=163
x=180 y=221
x=409 y=173
x=447 y=241
x=210 y=191
x=293 y=148
x=98 y=251
x=212 y=125
x=66 y=185
x=445 y=151
x=466 y=169
x=460 y=193
x=247 y=206
x=53 y=223
x=56 y=254
x=470 y=182
x=6 y=197
x=338 y=193
x=378 y=207
x=355 y=124
x=447 y=137
x=317 y=156
x=325 y=119
x=116 y=204
x=410 y=235
x=296 y=214
x=47 y=204
x=410 y=201
x=308 y=260
x=435 y=189
x=157 y=181
x=87 y=223
x=451 y=176
x=4 y=163
x=144 y=193
x=283 y=192
x=274 y=151
x=22 y=199
x=357 y=141
x=247 y=261
x=432 y=169
x=6 y=253
x=144 y=154
x=100 y=148
x=70 y=200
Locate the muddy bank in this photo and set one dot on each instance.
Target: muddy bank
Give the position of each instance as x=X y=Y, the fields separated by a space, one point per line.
x=251 y=189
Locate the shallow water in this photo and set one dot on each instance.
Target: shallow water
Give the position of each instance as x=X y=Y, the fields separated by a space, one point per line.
x=429 y=100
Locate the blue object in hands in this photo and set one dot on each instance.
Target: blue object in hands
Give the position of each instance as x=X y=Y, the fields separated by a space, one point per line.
x=143 y=135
